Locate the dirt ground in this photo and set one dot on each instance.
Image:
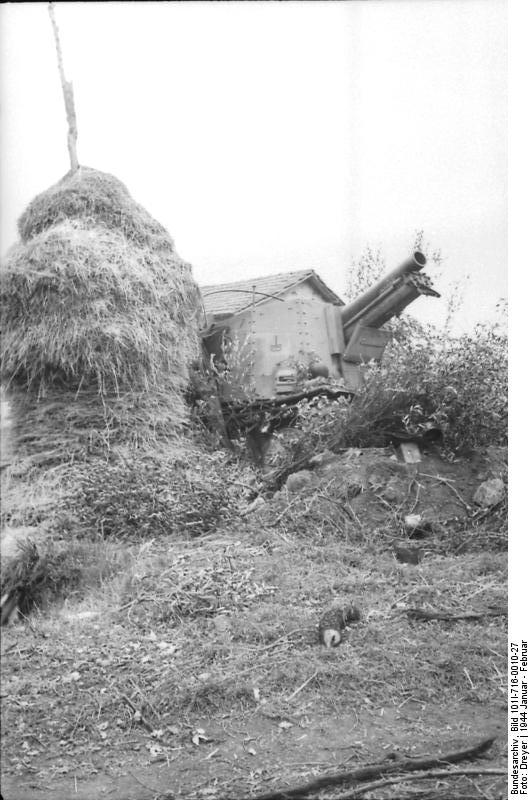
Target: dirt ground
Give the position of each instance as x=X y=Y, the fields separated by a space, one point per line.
x=226 y=767
x=197 y=672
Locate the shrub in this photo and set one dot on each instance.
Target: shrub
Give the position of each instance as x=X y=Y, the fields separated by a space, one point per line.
x=428 y=377
x=457 y=384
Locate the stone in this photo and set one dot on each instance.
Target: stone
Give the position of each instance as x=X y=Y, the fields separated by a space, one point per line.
x=489 y=493
x=497 y=461
x=298 y=481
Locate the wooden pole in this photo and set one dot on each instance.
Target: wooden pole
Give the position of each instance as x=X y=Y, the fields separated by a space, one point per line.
x=68 y=94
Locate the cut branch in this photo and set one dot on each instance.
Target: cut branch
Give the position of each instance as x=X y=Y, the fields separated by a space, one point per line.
x=423 y=615
x=430 y=775
x=68 y=94
x=376 y=771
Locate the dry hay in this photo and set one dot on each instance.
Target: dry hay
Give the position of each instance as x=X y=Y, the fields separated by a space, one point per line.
x=84 y=306
x=95 y=198
x=99 y=318
x=99 y=322
x=99 y=333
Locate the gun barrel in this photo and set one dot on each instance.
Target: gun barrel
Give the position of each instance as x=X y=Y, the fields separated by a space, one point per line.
x=351 y=312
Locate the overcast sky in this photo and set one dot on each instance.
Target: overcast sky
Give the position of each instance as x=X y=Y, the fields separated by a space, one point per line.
x=277 y=136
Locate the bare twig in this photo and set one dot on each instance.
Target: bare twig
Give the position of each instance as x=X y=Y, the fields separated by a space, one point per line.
x=456 y=773
x=468 y=676
x=302 y=686
x=423 y=615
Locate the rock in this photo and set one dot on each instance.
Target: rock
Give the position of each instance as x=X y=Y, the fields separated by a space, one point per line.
x=412 y=521
x=298 y=481
x=497 y=461
x=489 y=493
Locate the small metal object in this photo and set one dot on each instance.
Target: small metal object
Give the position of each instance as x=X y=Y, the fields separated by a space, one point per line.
x=410 y=452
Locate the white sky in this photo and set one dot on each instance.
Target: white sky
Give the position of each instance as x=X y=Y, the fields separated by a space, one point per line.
x=274 y=136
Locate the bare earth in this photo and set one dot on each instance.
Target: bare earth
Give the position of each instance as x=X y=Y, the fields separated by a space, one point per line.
x=196 y=672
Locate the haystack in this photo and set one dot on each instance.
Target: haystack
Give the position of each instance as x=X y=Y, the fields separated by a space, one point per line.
x=99 y=321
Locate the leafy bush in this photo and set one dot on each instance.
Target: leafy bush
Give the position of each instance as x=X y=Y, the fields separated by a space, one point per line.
x=428 y=378
x=457 y=384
